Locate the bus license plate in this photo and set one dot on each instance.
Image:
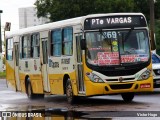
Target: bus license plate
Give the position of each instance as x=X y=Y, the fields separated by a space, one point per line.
x=147 y=85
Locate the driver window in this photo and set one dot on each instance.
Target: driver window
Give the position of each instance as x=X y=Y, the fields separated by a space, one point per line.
x=94 y=45
x=91 y=45
x=106 y=45
x=89 y=40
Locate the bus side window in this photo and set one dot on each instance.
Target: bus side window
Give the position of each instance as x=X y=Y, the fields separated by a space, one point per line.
x=25 y=46
x=56 y=42
x=67 y=41
x=35 y=46
x=9 y=50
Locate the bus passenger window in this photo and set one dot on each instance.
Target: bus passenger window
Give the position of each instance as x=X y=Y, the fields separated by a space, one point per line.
x=9 y=50
x=26 y=51
x=35 y=45
x=67 y=41
x=56 y=42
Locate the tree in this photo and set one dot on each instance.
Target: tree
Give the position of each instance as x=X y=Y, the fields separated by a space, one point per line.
x=157 y=10
x=142 y=6
x=64 y=9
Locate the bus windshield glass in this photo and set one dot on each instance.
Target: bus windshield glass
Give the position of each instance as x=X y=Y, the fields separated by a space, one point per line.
x=115 y=47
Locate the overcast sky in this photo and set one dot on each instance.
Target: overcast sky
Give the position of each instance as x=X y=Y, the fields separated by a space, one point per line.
x=10 y=11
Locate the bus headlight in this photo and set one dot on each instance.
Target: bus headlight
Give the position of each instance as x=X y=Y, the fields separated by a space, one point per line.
x=94 y=78
x=145 y=75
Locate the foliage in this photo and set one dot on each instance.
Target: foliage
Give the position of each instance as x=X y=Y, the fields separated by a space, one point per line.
x=157 y=33
x=157 y=10
x=64 y=9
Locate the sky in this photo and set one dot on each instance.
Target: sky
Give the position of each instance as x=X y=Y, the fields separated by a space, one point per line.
x=10 y=11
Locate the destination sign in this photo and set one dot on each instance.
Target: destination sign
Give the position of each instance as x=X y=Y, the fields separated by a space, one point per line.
x=114 y=22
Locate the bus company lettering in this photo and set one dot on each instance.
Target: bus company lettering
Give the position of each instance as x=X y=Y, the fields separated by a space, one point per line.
x=35 y=65
x=65 y=61
x=53 y=64
x=116 y=20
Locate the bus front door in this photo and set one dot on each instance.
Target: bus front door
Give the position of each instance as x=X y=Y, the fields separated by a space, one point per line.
x=80 y=77
x=44 y=64
x=16 y=66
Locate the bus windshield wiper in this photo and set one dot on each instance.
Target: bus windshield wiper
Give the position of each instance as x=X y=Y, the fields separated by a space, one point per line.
x=125 y=38
x=129 y=33
x=102 y=33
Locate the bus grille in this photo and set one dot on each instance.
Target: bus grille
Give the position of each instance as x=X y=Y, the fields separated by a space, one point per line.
x=116 y=80
x=121 y=86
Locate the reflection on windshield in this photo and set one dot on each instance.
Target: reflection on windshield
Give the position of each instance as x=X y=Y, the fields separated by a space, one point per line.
x=114 y=48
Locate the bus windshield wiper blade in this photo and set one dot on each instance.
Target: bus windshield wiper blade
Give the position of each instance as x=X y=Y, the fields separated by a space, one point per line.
x=129 y=33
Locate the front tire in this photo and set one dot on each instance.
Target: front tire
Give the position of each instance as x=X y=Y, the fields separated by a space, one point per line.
x=127 y=97
x=30 y=93
x=69 y=92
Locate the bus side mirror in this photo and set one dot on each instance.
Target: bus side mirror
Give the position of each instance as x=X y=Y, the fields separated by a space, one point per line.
x=83 y=44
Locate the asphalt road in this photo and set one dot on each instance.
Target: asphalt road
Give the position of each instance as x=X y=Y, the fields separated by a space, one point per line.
x=144 y=106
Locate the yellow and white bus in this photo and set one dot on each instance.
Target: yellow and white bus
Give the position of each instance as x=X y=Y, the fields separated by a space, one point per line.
x=92 y=55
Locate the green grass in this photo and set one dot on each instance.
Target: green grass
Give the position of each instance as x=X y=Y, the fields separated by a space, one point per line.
x=2 y=74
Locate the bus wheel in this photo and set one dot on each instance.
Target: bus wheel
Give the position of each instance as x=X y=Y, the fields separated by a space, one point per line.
x=127 y=97
x=29 y=91
x=69 y=92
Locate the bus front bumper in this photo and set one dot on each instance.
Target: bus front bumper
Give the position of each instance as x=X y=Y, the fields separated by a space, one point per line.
x=118 y=87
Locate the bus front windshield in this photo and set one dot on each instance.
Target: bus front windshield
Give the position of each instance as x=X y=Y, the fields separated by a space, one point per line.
x=105 y=48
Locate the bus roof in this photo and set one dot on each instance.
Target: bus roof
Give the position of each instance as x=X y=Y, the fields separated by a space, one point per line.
x=62 y=23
